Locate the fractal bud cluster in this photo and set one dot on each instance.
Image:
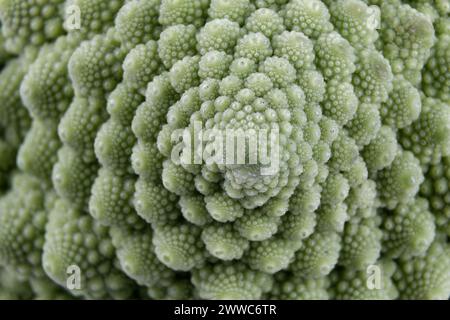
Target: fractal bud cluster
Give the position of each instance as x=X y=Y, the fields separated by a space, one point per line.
x=357 y=90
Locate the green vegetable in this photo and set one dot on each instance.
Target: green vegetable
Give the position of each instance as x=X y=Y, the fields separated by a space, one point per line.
x=96 y=172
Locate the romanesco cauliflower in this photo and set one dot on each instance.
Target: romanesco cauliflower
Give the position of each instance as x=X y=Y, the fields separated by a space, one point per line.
x=96 y=171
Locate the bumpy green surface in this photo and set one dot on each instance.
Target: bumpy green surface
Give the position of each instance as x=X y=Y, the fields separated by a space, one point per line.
x=357 y=91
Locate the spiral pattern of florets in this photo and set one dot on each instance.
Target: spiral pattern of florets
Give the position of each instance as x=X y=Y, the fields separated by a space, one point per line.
x=226 y=149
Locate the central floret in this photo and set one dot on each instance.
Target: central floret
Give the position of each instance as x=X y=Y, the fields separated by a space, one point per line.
x=247 y=140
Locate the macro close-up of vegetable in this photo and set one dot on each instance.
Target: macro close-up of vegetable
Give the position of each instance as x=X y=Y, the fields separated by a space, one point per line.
x=225 y=149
